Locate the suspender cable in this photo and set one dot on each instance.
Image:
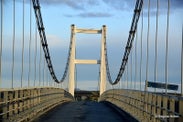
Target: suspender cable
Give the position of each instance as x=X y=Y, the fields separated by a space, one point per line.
x=141 y=39
x=166 y=56
x=22 y=67
x=156 y=45
x=43 y=71
x=141 y=57
x=119 y=84
x=126 y=77
x=49 y=80
x=147 y=49
x=131 y=68
x=30 y=39
x=182 y=64
x=13 y=47
x=2 y=2
x=127 y=66
x=135 y=79
x=47 y=77
x=40 y=61
x=35 y=57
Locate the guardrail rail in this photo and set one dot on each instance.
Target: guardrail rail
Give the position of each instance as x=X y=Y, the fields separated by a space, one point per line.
x=26 y=104
x=147 y=106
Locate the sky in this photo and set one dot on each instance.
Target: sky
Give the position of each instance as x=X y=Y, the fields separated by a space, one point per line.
x=59 y=15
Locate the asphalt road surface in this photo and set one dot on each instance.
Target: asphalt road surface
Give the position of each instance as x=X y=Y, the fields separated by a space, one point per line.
x=84 y=111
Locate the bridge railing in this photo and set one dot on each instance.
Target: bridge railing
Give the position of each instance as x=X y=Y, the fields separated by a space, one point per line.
x=26 y=104
x=147 y=106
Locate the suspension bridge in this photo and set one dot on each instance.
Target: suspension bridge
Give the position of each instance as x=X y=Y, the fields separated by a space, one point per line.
x=143 y=89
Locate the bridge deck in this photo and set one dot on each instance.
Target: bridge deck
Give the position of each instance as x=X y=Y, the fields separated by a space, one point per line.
x=83 y=111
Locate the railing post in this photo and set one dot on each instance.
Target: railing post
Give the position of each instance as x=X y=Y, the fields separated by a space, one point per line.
x=181 y=110
x=153 y=104
x=149 y=106
x=165 y=102
x=16 y=104
x=172 y=108
x=146 y=95
x=159 y=105
x=29 y=98
x=21 y=102
x=10 y=94
x=5 y=108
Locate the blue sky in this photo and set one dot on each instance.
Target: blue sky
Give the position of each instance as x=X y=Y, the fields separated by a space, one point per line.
x=58 y=15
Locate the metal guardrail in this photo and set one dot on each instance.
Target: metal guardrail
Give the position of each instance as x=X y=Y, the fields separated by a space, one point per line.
x=147 y=106
x=27 y=104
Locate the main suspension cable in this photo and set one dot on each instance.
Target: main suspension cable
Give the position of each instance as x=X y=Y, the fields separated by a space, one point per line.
x=137 y=11
x=41 y=29
x=43 y=39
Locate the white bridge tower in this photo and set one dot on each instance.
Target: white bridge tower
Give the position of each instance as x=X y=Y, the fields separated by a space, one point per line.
x=74 y=61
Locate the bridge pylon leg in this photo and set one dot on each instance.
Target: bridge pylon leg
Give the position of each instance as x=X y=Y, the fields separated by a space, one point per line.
x=102 y=64
x=72 y=64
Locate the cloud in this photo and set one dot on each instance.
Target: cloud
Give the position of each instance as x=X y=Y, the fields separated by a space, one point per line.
x=163 y=7
x=120 y=4
x=174 y=4
x=95 y=15
x=90 y=15
x=55 y=41
x=74 y=4
x=69 y=15
x=128 y=5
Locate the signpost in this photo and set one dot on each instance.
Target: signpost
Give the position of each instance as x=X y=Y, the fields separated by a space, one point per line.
x=161 y=85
